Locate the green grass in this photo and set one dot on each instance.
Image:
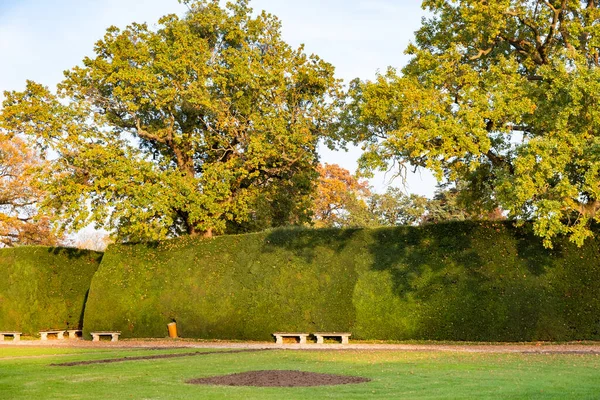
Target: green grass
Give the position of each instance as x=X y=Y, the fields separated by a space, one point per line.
x=91 y=354
x=394 y=374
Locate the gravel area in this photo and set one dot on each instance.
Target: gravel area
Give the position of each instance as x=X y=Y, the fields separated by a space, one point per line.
x=541 y=347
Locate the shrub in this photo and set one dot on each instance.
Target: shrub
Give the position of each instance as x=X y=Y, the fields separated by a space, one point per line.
x=43 y=288
x=453 y=281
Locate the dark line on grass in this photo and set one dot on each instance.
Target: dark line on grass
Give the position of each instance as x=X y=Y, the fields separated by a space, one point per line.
x=562 y=352
x=155 y=357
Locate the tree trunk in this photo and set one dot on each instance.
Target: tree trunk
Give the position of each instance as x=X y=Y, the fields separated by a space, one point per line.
x=193 y=232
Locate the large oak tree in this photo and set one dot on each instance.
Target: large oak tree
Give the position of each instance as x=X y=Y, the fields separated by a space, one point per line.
x=187 y=128
x=501 y=97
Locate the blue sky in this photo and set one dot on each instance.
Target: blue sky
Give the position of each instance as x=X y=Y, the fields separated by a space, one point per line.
x=39 y=39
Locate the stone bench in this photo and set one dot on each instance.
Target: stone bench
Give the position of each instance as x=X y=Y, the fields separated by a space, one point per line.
x=15 y=335
x=280 y=335
x=74 y=333
x=114 y=335
x=344 y=336
x=60 y=335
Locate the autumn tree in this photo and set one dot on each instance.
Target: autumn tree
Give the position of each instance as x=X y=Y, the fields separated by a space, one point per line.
x=340 y=199
x=20 y=221
x=501 y=97
x=182 y=129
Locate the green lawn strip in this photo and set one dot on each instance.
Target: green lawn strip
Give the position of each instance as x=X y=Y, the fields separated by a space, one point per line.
x=43 y=351
x=52 y=351
x=470 y=375
x=395 y=374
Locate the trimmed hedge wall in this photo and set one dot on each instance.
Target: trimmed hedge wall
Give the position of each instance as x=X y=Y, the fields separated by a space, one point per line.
x=44 y=288
x=455 y=281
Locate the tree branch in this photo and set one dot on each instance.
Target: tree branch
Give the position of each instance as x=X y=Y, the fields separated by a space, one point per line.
x=499 y=161
x=481 y=53
x=145 y=134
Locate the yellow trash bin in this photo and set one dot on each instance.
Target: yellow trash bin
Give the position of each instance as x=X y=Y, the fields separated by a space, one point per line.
x=172 y=330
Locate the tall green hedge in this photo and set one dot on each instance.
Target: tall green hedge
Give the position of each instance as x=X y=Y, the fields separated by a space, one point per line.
x=44 y=288
x=455 y=281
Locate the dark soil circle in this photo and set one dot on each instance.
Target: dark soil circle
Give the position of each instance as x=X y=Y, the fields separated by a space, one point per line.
x=278 y=378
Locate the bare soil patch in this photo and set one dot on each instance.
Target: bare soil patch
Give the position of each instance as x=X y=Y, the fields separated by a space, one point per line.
x=279 y=378
x=154 y=357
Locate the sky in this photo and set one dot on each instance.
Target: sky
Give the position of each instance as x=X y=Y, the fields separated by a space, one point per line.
x=39 y=39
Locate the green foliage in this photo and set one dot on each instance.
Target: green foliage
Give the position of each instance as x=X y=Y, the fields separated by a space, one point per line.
x=394 y=207
x=200 y=125
x=451 y=204
x=454 y=281
x=502 y=97
x=44 y=287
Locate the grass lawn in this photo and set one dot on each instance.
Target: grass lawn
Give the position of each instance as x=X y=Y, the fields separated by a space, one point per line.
x=25 y=374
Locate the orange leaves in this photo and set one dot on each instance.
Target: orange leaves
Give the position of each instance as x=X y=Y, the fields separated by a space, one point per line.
x=338 y=194
x=19 y=195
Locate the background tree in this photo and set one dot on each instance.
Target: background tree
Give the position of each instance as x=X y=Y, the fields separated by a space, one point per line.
x=340 y=199
x=500 y=98
x=394 y=207
x=451 y=204
x=343 y=200
x=20 y=222
x=183 y=129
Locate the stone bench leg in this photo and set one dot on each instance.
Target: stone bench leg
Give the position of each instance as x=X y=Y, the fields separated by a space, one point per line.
x=17 y=337
x=302 y=339
x=320 y=339
x=1 y=337
x=75 y=334
x=60 y=335
x=95 y=338
x=114 y=338
x=278 y=339
x=344 y=339
x=44 y=336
